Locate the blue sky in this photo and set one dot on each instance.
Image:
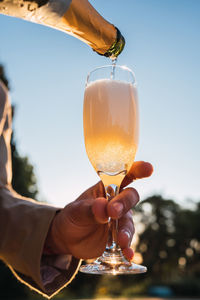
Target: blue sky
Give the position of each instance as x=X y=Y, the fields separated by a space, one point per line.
x=47 y=70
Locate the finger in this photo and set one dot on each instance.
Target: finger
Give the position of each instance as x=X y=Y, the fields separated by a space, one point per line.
x=95 y=191
x=99 y=209
x=125 y=234
x=128 y=253
x=125 y=230
x=139 y=169
x=122 y=203
x=80 y=212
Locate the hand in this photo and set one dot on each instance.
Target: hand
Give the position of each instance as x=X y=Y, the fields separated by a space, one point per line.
x=81 y=227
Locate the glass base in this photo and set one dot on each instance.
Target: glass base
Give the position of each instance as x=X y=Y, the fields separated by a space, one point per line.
x=113 y=264
x=98 y=268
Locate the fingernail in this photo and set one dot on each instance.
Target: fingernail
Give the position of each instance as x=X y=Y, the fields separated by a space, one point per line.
x=127 y=233
x=118 y=207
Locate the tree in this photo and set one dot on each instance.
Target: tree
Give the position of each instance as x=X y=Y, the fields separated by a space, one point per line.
x=170 y=243
x=24 y=182
x=3 y=76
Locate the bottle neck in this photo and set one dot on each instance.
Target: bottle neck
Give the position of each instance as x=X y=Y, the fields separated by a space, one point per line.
x=117 y=47
x=84 y=22
x=75 y=17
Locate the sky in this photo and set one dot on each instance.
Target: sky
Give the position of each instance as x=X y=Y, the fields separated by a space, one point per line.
x=47 y=70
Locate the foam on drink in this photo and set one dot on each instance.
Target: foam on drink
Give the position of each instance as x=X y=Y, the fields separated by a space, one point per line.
x=111 y=125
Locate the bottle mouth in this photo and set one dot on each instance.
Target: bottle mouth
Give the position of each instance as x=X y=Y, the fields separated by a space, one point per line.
x=117 y=47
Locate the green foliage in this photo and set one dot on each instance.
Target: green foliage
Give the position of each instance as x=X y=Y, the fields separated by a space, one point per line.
x=3 y=76
x=158 y=241
x=189 y=286
x=82 y=287
x=109 y=286
x=24 y=183
x=170 y=243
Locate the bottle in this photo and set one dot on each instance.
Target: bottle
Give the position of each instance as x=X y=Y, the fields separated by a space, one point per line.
x=75 y=17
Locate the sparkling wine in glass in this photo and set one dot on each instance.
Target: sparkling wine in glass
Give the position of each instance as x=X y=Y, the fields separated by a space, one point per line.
x=110 y=117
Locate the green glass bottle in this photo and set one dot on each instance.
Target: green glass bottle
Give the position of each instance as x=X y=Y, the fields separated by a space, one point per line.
x=75 y=17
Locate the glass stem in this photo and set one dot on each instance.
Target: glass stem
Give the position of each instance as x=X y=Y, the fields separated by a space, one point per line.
x=112 y=256
x=111 y=191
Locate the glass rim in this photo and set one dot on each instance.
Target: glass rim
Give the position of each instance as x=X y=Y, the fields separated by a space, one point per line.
x=123 y=67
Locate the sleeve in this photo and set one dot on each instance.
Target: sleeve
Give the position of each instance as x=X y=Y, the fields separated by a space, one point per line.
x=24 y=225
x=38 y=11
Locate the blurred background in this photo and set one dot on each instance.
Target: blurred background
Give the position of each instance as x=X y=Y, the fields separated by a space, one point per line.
x=46 y=72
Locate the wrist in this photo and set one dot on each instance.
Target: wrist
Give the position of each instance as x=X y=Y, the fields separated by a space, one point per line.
x=54 y=243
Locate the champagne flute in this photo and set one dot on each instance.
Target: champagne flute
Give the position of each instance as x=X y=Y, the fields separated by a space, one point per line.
x=110 y=117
